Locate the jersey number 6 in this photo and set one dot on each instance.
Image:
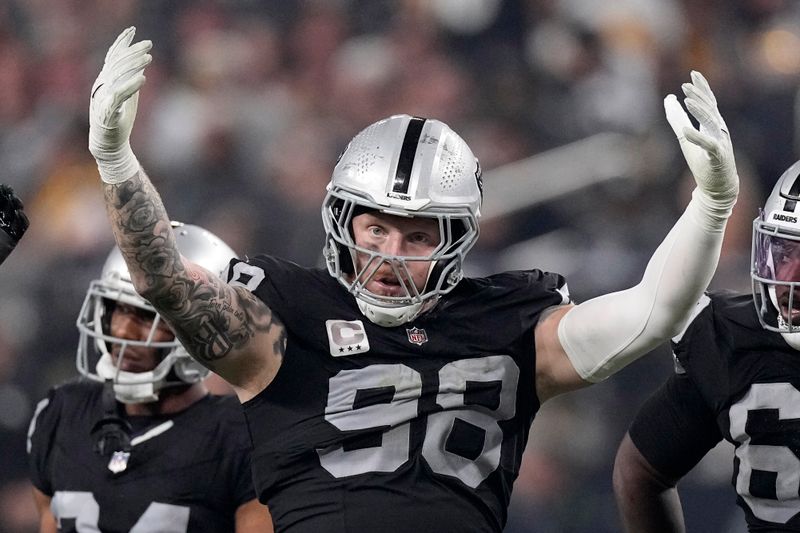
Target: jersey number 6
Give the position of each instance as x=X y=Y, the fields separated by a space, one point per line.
x=769 y=475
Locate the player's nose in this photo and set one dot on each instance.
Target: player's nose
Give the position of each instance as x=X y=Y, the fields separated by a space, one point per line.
x=394 y=244
x=130 y=328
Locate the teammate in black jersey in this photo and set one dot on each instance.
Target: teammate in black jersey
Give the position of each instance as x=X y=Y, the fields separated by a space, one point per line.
x=737 y=378
x=386 y=392
x=141 y=446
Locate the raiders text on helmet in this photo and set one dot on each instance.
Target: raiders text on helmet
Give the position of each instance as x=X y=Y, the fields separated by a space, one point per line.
x=177 y=367
x=409 y=167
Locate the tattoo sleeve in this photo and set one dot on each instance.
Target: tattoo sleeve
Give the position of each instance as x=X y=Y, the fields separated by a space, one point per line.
x=211 y=318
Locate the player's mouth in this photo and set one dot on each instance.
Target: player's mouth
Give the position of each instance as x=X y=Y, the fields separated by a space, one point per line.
x=387 y=286
x=131 y=360
x=794 y=316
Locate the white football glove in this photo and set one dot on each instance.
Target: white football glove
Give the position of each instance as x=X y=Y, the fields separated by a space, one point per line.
x=708 y=152
x=112 y=107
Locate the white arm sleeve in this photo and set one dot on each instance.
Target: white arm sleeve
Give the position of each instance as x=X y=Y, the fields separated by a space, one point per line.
x=604 y=334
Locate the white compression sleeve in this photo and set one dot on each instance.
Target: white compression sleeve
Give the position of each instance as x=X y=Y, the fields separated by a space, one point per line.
x=604 y=334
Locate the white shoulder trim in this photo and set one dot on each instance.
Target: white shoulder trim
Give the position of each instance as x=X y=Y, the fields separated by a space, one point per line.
x=701 y=304
x=32 y=427
x=152 y=432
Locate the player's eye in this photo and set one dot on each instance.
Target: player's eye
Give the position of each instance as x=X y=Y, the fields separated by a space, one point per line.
x=786 y=250
x=420 y=238
x=136 y=312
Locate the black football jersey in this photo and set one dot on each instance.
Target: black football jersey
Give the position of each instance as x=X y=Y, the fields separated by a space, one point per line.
x=186 y=472
x=413 y=428
x=737 y=381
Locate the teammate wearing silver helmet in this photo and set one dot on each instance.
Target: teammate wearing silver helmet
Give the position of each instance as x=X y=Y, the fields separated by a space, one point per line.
x=737 y=377
x=141 y=445
x=103 y=356
x=387 y=392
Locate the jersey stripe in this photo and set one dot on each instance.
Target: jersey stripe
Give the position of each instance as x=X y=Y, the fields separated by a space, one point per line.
x=32 y=426
x=152 y=432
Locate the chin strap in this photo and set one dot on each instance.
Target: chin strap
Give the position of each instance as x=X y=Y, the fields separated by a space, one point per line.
x=391 y=317
x=792 y=339
x=111 y=433
x=129 y=391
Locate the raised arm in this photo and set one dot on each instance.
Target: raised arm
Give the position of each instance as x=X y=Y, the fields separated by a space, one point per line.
x=225 y=328
x=587 y=343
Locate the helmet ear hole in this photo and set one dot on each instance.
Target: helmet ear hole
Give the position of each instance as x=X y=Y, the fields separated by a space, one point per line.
x=107 y=311
x=346 y=261
x=346 y=255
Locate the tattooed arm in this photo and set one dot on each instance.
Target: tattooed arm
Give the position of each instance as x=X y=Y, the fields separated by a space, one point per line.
x=225 y=328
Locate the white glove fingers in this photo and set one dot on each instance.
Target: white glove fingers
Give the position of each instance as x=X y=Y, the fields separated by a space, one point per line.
x=123 y=40
x=131 y=67
x=140 y=48
x=676 y=116
x=704 y=116
x=113 y=104
x=702 y=84
x=702 y=101
x=133 y=59
x=707 y=150
x=706 y=142
x=125 y=89
x=693 y=93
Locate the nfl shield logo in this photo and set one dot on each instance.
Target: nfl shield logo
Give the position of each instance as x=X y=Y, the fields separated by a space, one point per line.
x=417 y=336
x=119 y=462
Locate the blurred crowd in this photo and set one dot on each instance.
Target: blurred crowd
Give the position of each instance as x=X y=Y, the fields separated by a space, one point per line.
x=248 y=103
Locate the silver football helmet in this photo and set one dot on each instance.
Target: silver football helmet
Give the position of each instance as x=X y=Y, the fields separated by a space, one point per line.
x=409 y=167
x=775 y=258
x=177 y=367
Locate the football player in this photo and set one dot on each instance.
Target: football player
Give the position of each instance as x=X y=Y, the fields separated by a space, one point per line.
x=141 y=445
x=387 y=392
x=737 y=377
x=13 y=222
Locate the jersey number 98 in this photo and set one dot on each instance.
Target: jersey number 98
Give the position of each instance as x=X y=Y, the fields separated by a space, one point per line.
x=461 y=440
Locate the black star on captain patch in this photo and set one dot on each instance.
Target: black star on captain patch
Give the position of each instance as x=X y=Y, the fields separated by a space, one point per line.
x=341 y=350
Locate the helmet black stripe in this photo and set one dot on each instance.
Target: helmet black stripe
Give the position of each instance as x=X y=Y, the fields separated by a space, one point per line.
x=402 y=176
x=792 y=195
x=794 y=190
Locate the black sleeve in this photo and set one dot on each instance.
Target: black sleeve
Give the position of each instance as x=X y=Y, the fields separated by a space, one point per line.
x=41 y=438
x=675 y=428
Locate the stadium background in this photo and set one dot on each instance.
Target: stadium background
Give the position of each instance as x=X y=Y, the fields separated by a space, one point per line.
x=248 y=103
